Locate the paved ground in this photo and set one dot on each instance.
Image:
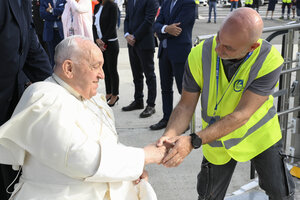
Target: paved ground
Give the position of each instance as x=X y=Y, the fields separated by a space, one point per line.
x=174 y=183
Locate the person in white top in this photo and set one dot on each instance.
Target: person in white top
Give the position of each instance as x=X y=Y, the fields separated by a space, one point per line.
x=77 y=18
x=63 y=135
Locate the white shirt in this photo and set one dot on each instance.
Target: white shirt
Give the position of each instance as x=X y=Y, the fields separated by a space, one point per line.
x=97 y=21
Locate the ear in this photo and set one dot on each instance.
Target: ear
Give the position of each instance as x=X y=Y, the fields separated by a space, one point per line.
x=68 y=68
x=254 y=46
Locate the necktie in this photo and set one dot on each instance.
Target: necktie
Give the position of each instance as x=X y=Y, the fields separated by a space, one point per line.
x=172 y=5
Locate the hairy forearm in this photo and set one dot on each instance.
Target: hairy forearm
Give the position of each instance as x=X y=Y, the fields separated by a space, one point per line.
x=179 y=120
x=223 y=127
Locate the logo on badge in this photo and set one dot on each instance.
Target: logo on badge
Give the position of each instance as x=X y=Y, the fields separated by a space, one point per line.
x=238 y=85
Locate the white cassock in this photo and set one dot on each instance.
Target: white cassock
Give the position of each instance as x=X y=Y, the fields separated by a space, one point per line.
x=68 y=148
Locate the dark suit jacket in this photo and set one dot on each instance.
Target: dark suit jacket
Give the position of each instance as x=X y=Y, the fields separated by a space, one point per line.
x=22 y=58
x=50 y=18
x=108 y=21
x=37 y=20
x=139 y=20
x=184 y=12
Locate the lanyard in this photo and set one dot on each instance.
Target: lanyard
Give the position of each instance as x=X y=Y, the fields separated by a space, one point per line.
x=217 y=78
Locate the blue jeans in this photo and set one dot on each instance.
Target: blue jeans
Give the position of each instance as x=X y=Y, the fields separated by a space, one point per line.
x=288 y=5
x=274 y=177
x=234 y=5
x=212 y=5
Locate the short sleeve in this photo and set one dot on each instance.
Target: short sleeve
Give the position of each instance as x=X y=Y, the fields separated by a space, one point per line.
x=265 y=85
x=188 y=83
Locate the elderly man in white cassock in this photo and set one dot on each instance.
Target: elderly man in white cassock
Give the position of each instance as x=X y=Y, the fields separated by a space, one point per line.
x=63 y=135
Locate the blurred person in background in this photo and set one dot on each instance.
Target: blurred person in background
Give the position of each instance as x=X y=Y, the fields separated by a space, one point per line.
x=298 y=9
x=234 y=5
x=249 y=3
x=120 y=8
x=294 y=8
x=256 y=5
x=286 y=3
x=271 y=7
x=77 y=18
x=138 y=32
x=38 y=23
x=212 y=6
x=105 y=35
x=173 y=27
x=51 y=11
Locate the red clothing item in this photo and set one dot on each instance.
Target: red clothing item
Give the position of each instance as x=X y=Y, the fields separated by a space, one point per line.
x=94 y=2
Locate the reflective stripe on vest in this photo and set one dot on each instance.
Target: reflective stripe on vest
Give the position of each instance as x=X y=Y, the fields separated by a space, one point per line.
x=262 y=130
x=250 y=2
x=286 y=1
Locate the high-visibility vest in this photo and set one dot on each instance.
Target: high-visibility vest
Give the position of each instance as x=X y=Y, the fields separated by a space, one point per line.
x=248 y=2
x=262 y=129
x=286 y=1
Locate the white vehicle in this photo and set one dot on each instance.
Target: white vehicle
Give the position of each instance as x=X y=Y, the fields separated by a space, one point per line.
x=202 y=2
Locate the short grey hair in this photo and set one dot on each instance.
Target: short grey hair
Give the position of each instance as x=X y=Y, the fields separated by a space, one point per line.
x=68 y=49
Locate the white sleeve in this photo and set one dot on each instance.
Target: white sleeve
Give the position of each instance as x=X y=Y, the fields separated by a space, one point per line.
x=119 y=163
x=163 y=29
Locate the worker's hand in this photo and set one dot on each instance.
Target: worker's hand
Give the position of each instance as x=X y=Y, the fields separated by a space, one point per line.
x=130 y=39
x=49 y=9
x=144 y=176
x=173 y=29
x=182 y=148
x=154 y=154
x=165 y=141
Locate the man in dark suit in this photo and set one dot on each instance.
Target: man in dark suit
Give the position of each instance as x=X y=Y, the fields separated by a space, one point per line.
x=51 y=11
x=22 y=60
x=38 y=22
x=140 y=15
x=173 y=27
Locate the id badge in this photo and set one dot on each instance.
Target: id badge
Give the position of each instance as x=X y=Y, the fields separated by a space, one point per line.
x=71 y=31
x=213 y=120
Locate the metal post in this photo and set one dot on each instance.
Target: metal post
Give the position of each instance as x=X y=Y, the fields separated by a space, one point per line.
x=289 y=58
x=295 y=142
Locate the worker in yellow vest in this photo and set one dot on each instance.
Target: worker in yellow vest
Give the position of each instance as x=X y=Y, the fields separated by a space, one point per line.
x=288 y=4
x=236 y=73
x=249 y=3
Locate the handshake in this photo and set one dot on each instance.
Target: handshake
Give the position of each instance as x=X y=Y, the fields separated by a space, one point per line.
x=169 y=151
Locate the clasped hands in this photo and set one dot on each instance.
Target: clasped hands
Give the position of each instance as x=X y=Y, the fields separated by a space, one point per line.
x=130 y=39
x=101 y=44
x=169 y=151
